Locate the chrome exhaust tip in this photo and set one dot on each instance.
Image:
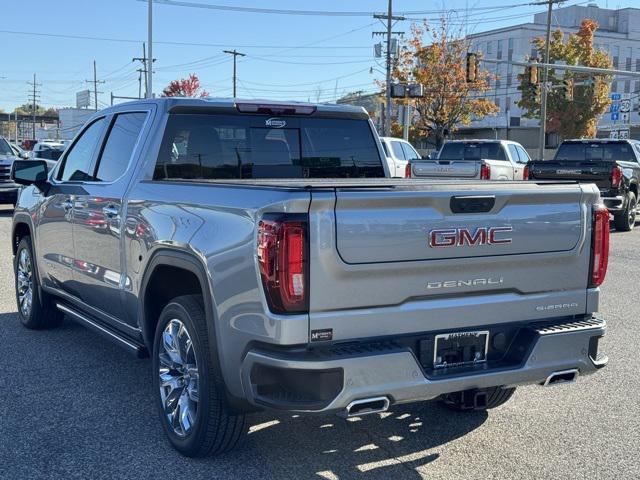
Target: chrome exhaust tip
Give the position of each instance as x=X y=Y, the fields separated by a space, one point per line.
x=561 y=377
x=366 y=406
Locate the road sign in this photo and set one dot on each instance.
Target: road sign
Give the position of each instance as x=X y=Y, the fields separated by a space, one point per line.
x=83 y=98
x=622 y=134
x=614 y=108
x=615 y=116
x=625 y=117
x=616 y=96
x=625 y=105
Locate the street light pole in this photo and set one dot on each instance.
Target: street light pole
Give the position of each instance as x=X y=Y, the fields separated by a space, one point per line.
x=387 y=115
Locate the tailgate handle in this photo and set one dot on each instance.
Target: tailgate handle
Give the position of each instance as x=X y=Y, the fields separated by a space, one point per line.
x=472 y=204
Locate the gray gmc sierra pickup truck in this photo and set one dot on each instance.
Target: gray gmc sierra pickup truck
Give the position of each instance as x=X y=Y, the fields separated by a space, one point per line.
x=256 y=253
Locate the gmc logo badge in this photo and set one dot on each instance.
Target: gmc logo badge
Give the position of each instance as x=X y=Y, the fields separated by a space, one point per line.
x=459 y=237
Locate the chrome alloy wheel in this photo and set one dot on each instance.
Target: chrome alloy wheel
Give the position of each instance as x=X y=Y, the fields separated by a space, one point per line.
x=24 y=282
x=179 y=377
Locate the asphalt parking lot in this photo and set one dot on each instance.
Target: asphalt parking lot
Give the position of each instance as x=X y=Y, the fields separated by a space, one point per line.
x=76 y=406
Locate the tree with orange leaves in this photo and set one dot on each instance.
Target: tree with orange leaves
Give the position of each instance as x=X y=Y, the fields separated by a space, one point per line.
x=440 y=66
x=185 y=87
x=577 y=118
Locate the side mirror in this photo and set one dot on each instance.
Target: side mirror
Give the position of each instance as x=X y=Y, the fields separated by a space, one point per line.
x=30 y=172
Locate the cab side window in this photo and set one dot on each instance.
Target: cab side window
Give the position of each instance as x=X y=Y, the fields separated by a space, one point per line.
x=78 y=161
x=524 y=156
x=119 y=146
x=513 y=152
x=397 y=150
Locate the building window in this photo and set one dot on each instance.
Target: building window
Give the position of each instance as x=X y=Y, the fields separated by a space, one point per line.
x=637 y=64
x=627 y=86
x=499 y=52
x=614 y=86
x=489 y=47
x=507 y=104
x=498 y=103
x=509 y=79
x=534 y=53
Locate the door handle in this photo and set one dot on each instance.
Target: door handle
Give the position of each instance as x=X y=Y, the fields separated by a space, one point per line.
x=111 y=211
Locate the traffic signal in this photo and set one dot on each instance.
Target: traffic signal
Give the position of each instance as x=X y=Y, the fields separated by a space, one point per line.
x=567 y=89
x=537 y=89
x=531 y=74
x=472 y=67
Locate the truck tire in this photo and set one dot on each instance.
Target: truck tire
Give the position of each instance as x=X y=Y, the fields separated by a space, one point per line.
x=36 y=308
x=626 y=220
x=463 y=401
x=190 y=391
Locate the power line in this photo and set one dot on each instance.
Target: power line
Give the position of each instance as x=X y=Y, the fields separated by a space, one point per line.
x=323 y=13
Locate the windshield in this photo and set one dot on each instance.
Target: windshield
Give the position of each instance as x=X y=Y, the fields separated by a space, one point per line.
x=596 y=151
x=204 y=146
x=472 y=151
x=5 y=148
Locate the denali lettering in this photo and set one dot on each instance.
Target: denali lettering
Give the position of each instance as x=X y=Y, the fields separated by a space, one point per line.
x=476 y=282
x=451 y=237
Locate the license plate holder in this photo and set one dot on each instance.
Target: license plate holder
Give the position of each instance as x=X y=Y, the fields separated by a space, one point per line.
x=460 y=349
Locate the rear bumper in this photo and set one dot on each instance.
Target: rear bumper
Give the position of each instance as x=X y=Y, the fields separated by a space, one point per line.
x=614 y=204
x=328 y=381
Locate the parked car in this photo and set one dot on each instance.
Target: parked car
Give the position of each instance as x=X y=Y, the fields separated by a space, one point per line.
x=398 y=153
x=47 y=150
x=8 y=189
x=19 y=152
x=475 y=159
x=613 y=165
x=256 y=260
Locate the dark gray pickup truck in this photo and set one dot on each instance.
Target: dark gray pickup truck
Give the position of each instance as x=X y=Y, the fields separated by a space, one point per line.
x=257 y=253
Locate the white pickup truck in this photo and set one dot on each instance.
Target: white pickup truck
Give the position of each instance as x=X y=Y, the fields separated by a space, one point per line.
x=475 y=159
x=399 y=153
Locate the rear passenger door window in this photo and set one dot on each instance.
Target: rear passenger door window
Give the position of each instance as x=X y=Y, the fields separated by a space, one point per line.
x=524 y=156
x=121 y=141
x=409 y=152
x=77 y=163
x=397 y=150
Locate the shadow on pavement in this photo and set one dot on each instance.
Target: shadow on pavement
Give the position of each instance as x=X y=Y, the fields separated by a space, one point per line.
x=82 y=406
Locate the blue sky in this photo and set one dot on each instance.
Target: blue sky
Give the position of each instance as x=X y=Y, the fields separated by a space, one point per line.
x=279 y=64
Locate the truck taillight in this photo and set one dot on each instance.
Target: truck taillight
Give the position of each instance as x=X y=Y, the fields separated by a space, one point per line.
x=525 y=173
x=407 y=171
x=283 y=261
x=599 y=245
x=485 y=172
x=616 y=176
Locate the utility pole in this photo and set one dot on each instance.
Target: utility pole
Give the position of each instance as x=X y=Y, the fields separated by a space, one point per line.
x=34 y=96
x=143 y=71
x=235 y=55
x=389 y=26
x=545 y=77
x=150 y=58
x=95 y=82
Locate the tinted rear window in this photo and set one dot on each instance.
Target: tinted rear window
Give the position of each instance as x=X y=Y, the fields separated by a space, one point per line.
x=203 y=146
x=472 y=151
x=597 y=151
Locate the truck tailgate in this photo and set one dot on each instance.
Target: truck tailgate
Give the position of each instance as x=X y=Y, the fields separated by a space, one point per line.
x=393 y=261
x=588 y=172
x=446 y=169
